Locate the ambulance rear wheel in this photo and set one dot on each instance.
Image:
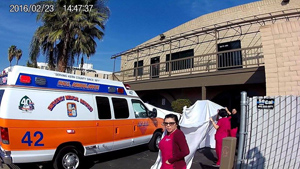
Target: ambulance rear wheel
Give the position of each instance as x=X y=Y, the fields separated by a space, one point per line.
x=153 y=144
x=68 y=158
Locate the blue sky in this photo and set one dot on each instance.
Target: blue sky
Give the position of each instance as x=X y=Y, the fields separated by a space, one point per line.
x=131 y=23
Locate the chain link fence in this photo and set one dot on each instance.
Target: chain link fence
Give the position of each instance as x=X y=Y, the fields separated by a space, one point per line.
x=272 y=133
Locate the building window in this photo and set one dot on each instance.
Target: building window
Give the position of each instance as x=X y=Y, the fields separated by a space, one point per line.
x=182 y=63
x=82 y=73
x=138 y=66
x=96 y=75
x=229 y=60
x=154 y=68
x=105 y=76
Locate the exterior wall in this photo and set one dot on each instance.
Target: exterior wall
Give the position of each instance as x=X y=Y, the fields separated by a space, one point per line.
x=281 y=44
x=250 y=35
x=95 y=74
x=99 y=74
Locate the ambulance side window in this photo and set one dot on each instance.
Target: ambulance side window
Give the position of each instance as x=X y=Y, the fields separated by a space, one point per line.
x=1 y=94
x=120 y=108
x=140 y=111
x=103 y=108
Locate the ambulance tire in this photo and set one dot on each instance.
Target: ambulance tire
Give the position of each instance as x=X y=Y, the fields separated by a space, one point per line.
x=68 y=154
x=153 y=144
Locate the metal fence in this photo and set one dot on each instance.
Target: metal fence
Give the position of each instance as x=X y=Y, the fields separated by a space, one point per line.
x=230 y=59
x=272 y=133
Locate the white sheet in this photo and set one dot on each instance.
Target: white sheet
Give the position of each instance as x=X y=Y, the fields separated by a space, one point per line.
x=198 y=130
x=161 y=112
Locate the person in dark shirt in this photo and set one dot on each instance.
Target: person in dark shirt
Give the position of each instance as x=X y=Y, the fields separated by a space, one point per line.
x=173 y=145
x=234 y=117
x=235 y=125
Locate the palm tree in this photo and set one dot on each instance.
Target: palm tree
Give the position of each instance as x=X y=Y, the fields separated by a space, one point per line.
x=18 y=55
x=65 y=34
x=41 y=43
x=11 y=53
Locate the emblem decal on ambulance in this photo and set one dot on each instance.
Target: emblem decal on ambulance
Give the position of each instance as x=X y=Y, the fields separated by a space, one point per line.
x=72 y=110
x=26 y=105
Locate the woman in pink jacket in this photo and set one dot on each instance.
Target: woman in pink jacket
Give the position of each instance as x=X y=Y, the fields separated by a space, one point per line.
x=173 y=146
x=223 y=130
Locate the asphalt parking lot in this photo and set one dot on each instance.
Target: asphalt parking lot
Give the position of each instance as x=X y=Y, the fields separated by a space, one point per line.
x=133 y=158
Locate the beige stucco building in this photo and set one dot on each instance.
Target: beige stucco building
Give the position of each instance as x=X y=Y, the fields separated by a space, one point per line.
x=254 y=47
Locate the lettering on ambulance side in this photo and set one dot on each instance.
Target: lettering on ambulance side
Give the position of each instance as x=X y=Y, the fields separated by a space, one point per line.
x=73 y=98
x=142 y=125
x=56 y=83
x=26 y=105
x=63 y=83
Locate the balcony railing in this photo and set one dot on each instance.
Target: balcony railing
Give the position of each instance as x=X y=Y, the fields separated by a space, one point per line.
x=230 y=59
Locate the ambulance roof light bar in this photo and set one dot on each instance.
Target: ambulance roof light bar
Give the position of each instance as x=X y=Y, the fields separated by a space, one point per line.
x=25 y=79
x=120 y=90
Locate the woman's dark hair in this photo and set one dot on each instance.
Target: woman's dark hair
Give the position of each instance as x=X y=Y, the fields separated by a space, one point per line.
x=173 y=116
x=222 y=113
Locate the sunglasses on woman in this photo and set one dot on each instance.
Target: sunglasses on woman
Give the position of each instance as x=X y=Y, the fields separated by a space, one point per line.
x=170 y=123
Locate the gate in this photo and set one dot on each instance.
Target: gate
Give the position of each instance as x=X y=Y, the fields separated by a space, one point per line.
x=272 y=133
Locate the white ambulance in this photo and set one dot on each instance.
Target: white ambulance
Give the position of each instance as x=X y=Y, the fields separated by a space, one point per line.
x=59 y=117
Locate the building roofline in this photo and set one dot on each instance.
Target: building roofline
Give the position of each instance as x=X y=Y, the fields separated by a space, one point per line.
x=260 y=19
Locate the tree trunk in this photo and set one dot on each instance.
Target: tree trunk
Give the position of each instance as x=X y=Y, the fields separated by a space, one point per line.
x=63 y=59
x=51 y=63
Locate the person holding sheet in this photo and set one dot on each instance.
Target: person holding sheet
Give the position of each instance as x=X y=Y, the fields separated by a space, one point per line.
x=223 y=130
x=234 y=121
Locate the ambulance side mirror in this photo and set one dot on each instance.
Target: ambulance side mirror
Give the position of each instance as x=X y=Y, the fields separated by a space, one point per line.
x=153 y=113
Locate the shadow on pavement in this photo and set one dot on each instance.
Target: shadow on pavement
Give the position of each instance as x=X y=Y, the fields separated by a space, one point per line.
x=136 y=157
x=109 y=160
x=90 y=161
x=205 y=157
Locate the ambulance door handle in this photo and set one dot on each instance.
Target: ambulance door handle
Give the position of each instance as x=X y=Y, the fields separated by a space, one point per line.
x=117 y=130
x=134 y=128
x=71 y=131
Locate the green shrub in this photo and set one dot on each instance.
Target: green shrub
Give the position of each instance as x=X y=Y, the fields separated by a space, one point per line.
x=178 y=104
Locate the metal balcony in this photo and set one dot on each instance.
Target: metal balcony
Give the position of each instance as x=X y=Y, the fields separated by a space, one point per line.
x=213 y=62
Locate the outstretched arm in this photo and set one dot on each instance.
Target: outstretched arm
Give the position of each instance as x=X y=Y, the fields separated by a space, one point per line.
x=214 y=124
x=228 y=112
